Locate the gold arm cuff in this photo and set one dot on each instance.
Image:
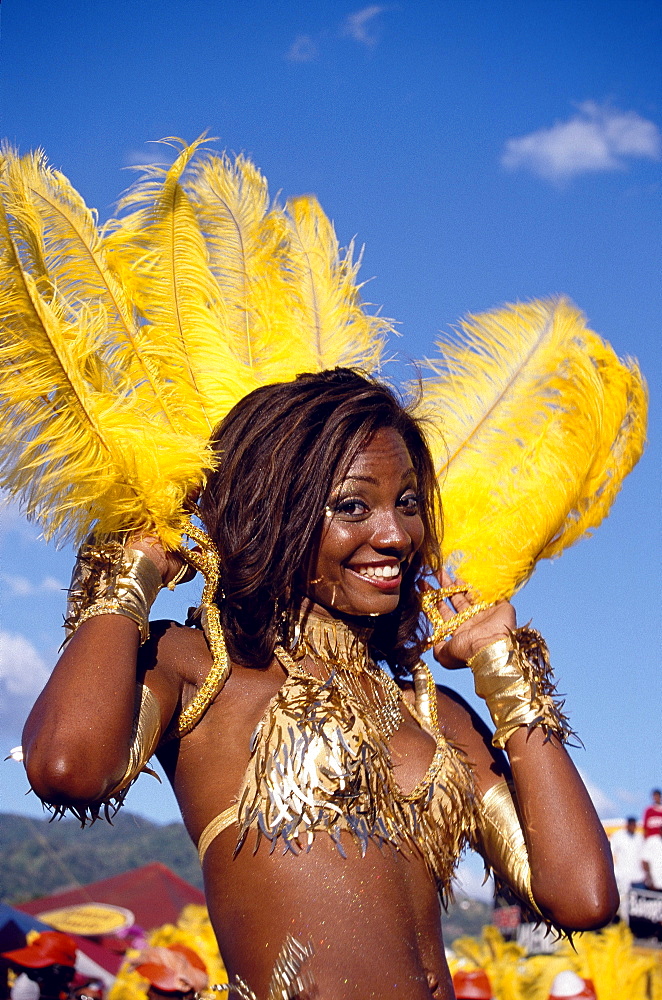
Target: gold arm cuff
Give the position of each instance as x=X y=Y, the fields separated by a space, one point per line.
x=144 y=740
x=502 y=841
x=109 y=579
x=514 y=677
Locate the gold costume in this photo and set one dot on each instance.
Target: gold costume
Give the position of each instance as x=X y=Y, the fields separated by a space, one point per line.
x=320 y=764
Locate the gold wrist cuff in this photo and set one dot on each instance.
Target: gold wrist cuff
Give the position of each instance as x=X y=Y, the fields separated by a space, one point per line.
x=514 y=677
x=111 y=580
x=502 y=841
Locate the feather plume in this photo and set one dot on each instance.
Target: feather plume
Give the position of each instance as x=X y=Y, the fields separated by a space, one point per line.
x=64 y=251
x=247 y=241
x=335 y=328
x=77 y=449
x=534 y=422
x=160 y=253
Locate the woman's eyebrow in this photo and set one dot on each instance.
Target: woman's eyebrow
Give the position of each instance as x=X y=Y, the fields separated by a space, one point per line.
x=371 y=479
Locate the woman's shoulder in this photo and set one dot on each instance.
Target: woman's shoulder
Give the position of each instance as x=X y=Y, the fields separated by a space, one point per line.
x=176 y=648
x=464 y=727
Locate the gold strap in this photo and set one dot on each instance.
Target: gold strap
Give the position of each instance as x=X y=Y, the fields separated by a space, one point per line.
x=425 y=691
x=207 y=562
x=215 y=827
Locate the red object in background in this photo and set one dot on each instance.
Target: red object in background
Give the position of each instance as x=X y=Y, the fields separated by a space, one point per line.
x=153 y=893
x=472 y=985
x=652 y=820
x=49 y=948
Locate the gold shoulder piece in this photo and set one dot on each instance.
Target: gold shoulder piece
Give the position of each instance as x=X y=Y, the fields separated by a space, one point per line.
x=145 y=739
x=502 y=843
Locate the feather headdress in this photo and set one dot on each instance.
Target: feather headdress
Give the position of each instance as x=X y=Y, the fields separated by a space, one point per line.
x=123 y=345
x=534 y=422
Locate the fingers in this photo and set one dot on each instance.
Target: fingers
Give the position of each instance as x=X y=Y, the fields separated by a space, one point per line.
x=461 y=600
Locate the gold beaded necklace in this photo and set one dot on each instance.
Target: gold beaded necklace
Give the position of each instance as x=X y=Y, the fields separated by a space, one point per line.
x=342 y=650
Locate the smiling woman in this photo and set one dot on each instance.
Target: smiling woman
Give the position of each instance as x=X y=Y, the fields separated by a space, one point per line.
x=329 y=784
x=330 y=802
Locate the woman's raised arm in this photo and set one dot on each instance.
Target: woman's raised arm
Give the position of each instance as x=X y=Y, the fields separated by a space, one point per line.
x=79 y=739
x=571 y=875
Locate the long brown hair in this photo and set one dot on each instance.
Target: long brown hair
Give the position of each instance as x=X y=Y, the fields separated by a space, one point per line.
x=281 y=450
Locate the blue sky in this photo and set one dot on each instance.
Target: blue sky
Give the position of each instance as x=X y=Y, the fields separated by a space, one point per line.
x=482 y=151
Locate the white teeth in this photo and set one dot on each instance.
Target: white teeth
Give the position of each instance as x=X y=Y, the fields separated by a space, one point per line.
x=384 y=572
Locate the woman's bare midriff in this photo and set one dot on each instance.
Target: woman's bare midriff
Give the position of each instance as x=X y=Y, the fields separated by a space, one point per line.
x=374 y=921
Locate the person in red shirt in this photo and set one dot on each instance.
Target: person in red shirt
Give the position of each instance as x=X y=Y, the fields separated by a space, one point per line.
x=652 y=818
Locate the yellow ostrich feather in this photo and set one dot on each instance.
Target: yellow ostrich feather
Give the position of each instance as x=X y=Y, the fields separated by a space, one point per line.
x=246 y=242
x=533 y=422
x=608 y=957
x=610 y=960
x=335 y=328
x=77 y=450
x=65 y=248
x=123 y=346
x=161 y=255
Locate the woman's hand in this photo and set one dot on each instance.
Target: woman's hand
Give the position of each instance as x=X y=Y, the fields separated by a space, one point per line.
x=467 y=640
x=169 y=564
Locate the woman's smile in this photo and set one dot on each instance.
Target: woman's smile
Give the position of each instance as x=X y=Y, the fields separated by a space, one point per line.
x=371 y=530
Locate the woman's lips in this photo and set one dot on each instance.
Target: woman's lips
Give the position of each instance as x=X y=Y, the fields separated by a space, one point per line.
x=386 y=584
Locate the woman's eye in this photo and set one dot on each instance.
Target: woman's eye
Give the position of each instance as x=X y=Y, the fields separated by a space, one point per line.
x=350 y=508
x=409 y=503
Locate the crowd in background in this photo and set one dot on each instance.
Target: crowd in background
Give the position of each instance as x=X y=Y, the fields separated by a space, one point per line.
x=638 y=852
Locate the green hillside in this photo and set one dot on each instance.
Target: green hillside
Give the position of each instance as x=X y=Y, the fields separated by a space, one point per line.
x=38 y=857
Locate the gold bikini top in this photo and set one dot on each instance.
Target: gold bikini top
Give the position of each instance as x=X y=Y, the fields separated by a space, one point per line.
x=320 y=764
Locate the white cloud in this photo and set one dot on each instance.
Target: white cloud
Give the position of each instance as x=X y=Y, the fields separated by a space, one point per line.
x=20 y=586
x=12 y=521
x=604 y=806
x=157 y=154
x=356 y=24
x=23 y=672
x=597 y=138
x=302 y=49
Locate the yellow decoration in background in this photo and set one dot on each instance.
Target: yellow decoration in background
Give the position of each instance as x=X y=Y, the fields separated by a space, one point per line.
x=618 y=969
x=192 y=929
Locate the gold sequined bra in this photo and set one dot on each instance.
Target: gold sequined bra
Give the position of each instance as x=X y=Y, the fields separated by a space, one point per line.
x=320 y=764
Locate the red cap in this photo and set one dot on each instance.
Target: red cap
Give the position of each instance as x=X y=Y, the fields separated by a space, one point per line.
x=48 y=948
x=472 y=985
x=174 y=969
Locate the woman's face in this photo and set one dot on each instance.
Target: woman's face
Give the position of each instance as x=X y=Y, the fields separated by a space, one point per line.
x=372 y=529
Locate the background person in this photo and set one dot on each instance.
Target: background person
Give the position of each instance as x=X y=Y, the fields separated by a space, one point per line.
x=652 y=819
x=651 y=861
x=626 y=845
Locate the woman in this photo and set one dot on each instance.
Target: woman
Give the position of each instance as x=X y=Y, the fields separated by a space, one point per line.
x=330 y=803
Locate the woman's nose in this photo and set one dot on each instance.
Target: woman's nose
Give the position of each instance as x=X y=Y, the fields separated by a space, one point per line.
x=390 y=533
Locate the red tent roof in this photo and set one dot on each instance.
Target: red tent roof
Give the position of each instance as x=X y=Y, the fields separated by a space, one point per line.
x=153 y=893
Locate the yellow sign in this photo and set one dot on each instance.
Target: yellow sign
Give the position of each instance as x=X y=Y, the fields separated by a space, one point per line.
x=89 y=919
